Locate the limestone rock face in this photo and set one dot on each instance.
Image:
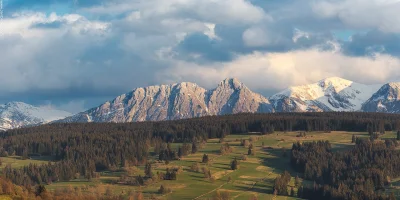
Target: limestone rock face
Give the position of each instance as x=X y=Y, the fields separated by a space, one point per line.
x=176 y=101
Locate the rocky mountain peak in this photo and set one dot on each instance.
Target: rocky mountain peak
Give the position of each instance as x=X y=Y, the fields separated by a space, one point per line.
x=386 y=99
x=232 y=83
x=177 y=101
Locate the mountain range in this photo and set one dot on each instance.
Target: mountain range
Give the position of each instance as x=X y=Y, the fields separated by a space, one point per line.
x=176 y=101
x=230 y=96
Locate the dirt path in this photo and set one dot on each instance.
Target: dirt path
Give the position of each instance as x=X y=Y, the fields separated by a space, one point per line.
x=210 y=191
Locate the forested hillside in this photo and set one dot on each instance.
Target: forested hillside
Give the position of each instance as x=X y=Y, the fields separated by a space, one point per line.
x=87 y=148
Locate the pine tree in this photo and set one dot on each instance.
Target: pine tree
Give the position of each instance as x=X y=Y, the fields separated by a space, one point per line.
x=251 y=150
x=234 y=164
x=180 y=152
x=353 y=139
x=205 y=158
x=162 y=190
x=40 y=190
x=370 y=129
x=148 y=171
x=398 y=135
x=194 y=147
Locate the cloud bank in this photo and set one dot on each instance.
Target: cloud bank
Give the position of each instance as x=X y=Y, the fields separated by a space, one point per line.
x=76 y=53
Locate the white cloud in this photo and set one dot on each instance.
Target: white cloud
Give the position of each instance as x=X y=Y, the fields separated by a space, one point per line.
x=213 y=11
x=299 y=34
x=256 y=37
x=383 y=15
x=45 y=58
x=280 y=70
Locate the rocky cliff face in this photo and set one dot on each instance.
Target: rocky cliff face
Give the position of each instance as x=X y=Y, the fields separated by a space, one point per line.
x=386 y=99
x=176 y=101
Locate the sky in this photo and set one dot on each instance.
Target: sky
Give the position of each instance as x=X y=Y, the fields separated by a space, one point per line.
x=76 y=54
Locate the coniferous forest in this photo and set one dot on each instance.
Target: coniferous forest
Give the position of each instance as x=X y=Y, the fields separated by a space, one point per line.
x=89 y=148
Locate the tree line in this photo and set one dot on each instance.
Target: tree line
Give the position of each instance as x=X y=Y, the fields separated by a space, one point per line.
x=360 y=173
x=82 y=149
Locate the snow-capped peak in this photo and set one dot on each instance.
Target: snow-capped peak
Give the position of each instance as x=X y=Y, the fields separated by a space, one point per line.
x=386 y=99
x=336 y=82
x=18 y=114
x=330 y=94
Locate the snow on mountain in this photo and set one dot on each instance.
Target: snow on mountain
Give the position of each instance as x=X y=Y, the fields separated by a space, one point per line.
x=18 y=114
x=176 y=101
x=386 y=99
x=331 y=94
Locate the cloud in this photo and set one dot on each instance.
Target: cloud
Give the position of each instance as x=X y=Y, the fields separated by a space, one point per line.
x=255 y=37
x=71 y=51
x=363 y=44
x=73 y=107
x=277 y=71
x=382 y=15
x=222 y=11
x=38 y=57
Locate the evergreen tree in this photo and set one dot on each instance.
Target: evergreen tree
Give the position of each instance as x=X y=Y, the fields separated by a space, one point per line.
x=205 y=158
x=148 y=171
x=251 y=150
x=180 y=152
x=353 y=139
x=40 y=190
x=234 y=164
x=194 y=147
x=398 y=135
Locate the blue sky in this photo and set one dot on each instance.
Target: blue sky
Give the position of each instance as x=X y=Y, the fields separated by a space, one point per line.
x=75 y=54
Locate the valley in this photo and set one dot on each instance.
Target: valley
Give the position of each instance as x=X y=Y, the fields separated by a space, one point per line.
x=254 y=178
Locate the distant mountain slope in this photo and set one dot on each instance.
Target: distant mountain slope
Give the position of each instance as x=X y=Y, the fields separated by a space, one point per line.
x=18 y=114
x=331 y=94
x=386 y=99
x=176 y=101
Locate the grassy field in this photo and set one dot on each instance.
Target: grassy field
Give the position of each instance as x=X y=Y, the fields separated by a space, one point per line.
x=255 y=175
x=16 y=161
